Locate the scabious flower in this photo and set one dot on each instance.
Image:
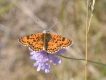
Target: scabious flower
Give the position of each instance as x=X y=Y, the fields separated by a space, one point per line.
x=43 y=58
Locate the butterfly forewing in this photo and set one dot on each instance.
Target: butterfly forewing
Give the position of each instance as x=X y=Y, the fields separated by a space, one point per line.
x=34 y=41
x=56 y=42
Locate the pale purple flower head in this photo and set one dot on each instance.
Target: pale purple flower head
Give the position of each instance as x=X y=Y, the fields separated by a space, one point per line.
x=43 y=58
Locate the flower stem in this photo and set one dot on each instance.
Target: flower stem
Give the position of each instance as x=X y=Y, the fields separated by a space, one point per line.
x=82 y=60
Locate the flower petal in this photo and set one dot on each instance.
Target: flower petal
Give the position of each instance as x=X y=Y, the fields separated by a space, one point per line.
x=43 y=58
x=56 y=60
x=61 y=51
x=39 y=67
x=47 y=68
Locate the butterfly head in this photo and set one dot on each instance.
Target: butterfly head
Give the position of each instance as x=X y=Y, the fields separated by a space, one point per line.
x=46 y=31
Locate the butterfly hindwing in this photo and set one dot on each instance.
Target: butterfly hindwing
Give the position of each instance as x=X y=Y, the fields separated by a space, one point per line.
x=51 y=48
x=34 y=41
x=56 y=42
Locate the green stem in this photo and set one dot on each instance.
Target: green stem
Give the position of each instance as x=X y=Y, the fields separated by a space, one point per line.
x=82 y=59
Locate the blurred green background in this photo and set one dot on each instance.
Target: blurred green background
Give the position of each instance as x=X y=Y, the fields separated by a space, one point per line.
x=23 y=17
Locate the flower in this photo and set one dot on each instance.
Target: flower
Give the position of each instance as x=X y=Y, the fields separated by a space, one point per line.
x=43 y=58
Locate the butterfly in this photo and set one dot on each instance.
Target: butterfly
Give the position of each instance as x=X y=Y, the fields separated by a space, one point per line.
x=47 y=41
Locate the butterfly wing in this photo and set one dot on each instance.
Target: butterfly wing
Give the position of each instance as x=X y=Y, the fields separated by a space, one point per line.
x=56 y=42
x=34 y=41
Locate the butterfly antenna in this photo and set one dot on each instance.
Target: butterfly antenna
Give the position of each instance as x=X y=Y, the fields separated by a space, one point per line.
x=53 y=25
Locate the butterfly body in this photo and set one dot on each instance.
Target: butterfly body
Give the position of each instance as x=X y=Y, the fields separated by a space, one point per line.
x=45 y=41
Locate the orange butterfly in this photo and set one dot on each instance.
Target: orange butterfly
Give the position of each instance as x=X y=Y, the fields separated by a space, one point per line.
x=45 y=41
